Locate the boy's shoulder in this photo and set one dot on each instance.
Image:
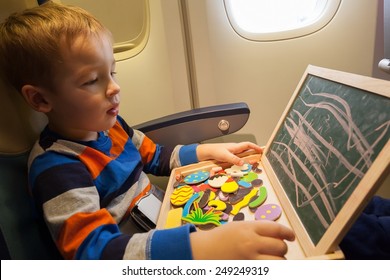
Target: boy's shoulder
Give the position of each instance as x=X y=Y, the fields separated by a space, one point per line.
x=52 y=145
x=51 y=149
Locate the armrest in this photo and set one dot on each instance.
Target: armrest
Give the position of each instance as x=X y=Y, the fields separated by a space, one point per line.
x=197 y=125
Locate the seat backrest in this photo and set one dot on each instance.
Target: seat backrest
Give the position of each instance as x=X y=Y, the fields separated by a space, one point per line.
x=22 y=236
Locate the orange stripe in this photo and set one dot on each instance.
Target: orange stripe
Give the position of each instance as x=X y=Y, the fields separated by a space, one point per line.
x=97 y=161
x=94 y=160
x=78 y=227
x=119 y=139
x=147 y=150
x=135 y=200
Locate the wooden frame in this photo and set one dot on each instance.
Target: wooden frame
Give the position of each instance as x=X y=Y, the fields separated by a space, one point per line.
x=367 y=177
x=360 y=181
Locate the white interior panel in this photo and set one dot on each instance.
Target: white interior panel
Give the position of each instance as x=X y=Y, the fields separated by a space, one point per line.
x=230 y=68
x=154 y=83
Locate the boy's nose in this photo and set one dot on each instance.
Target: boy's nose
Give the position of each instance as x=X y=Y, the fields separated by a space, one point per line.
x=113 y=88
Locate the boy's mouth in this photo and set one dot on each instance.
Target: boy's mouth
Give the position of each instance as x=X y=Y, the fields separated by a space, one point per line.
x=114 y=111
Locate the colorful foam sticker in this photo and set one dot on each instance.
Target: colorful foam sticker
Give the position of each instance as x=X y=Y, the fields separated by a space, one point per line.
x=216 y=170
x=244 y=184
x=238 y=171
x=188 y=205
x=210 y=198
x=244 y=202
x=202 y=187
x=174 y=218
x=204 y=199
x=197 y=217
x=269 y=212
x=223 y=196
x=217 y=204
x=217 y=180
x=197 y=177
x=228 y=209
x=239 y=217
x=257 y=183
x=181 y=195
x=258 y=199
x=239 y=195
x=250 y=177
x=229 y=187
x=255 y=168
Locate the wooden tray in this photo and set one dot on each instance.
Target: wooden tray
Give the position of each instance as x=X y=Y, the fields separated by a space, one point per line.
x=324 y=161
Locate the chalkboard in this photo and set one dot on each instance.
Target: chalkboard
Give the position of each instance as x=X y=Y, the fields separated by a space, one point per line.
x=329 y=138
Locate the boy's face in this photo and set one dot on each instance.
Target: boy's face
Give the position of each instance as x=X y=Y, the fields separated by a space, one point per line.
x=87 y=96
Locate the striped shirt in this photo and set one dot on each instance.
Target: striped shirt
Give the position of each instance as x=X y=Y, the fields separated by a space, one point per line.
x=85 y=191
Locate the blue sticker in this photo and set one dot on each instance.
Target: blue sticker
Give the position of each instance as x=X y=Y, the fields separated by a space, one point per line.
x=197 y=177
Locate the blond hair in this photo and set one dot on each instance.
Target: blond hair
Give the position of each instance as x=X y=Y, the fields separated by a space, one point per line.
x=31 y=41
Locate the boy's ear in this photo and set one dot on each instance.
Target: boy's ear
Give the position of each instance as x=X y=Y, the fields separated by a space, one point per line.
x=36 y=98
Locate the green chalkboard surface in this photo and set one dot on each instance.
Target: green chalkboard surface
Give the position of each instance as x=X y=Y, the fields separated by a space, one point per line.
x=330 y=137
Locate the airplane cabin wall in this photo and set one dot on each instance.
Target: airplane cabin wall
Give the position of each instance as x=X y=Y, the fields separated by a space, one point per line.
x=230 y=68
x=154 y=82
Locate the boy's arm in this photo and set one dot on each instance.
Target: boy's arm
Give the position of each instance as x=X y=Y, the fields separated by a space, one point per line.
x=226 y=152
x=70 y=205
x=81 y=230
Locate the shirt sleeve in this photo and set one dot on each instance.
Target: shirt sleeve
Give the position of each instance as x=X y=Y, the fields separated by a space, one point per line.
x=70 y=205
x=172 y=244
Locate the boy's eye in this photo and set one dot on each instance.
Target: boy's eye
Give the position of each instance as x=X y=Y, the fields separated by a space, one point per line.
x=91 y=82
x=113 y=73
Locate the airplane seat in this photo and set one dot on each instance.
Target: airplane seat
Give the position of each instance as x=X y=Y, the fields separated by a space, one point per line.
x=22 y=235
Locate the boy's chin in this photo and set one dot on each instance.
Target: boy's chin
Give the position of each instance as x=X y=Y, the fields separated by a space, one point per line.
x=111 y=123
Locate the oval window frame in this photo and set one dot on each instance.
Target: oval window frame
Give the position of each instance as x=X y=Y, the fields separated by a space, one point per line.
x=126 y=49
x=329 y=11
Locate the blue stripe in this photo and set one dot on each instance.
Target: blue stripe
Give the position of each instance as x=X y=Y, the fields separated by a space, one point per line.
x=93 y=246
x=187 y=154
x=116 y=248
x=172 y=244
x=46 y=161
x=116 y=173
x=125 y=127
x=59 y=179
x=153 y=166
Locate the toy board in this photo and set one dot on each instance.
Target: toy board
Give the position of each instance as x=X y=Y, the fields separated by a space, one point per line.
x=322 y=164
x=329 y=153
x=168 y=210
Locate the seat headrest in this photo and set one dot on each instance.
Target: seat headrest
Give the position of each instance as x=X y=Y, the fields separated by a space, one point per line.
x=19 y=124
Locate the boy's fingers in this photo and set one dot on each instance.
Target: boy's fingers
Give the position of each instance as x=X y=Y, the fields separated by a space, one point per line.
x=272 y=246
x=276 y=230
x=244 y=146
x=237 y=160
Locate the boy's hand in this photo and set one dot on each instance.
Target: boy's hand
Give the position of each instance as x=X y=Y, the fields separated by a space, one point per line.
x=225 y=152
x=242 y=240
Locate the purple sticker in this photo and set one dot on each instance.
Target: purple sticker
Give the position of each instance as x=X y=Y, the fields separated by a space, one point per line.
x=269 y=212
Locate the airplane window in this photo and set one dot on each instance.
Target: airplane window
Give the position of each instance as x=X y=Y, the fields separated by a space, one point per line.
x=267 y=20
x=128 y=20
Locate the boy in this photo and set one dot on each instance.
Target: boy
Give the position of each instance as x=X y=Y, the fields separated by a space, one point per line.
x=87 y=170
